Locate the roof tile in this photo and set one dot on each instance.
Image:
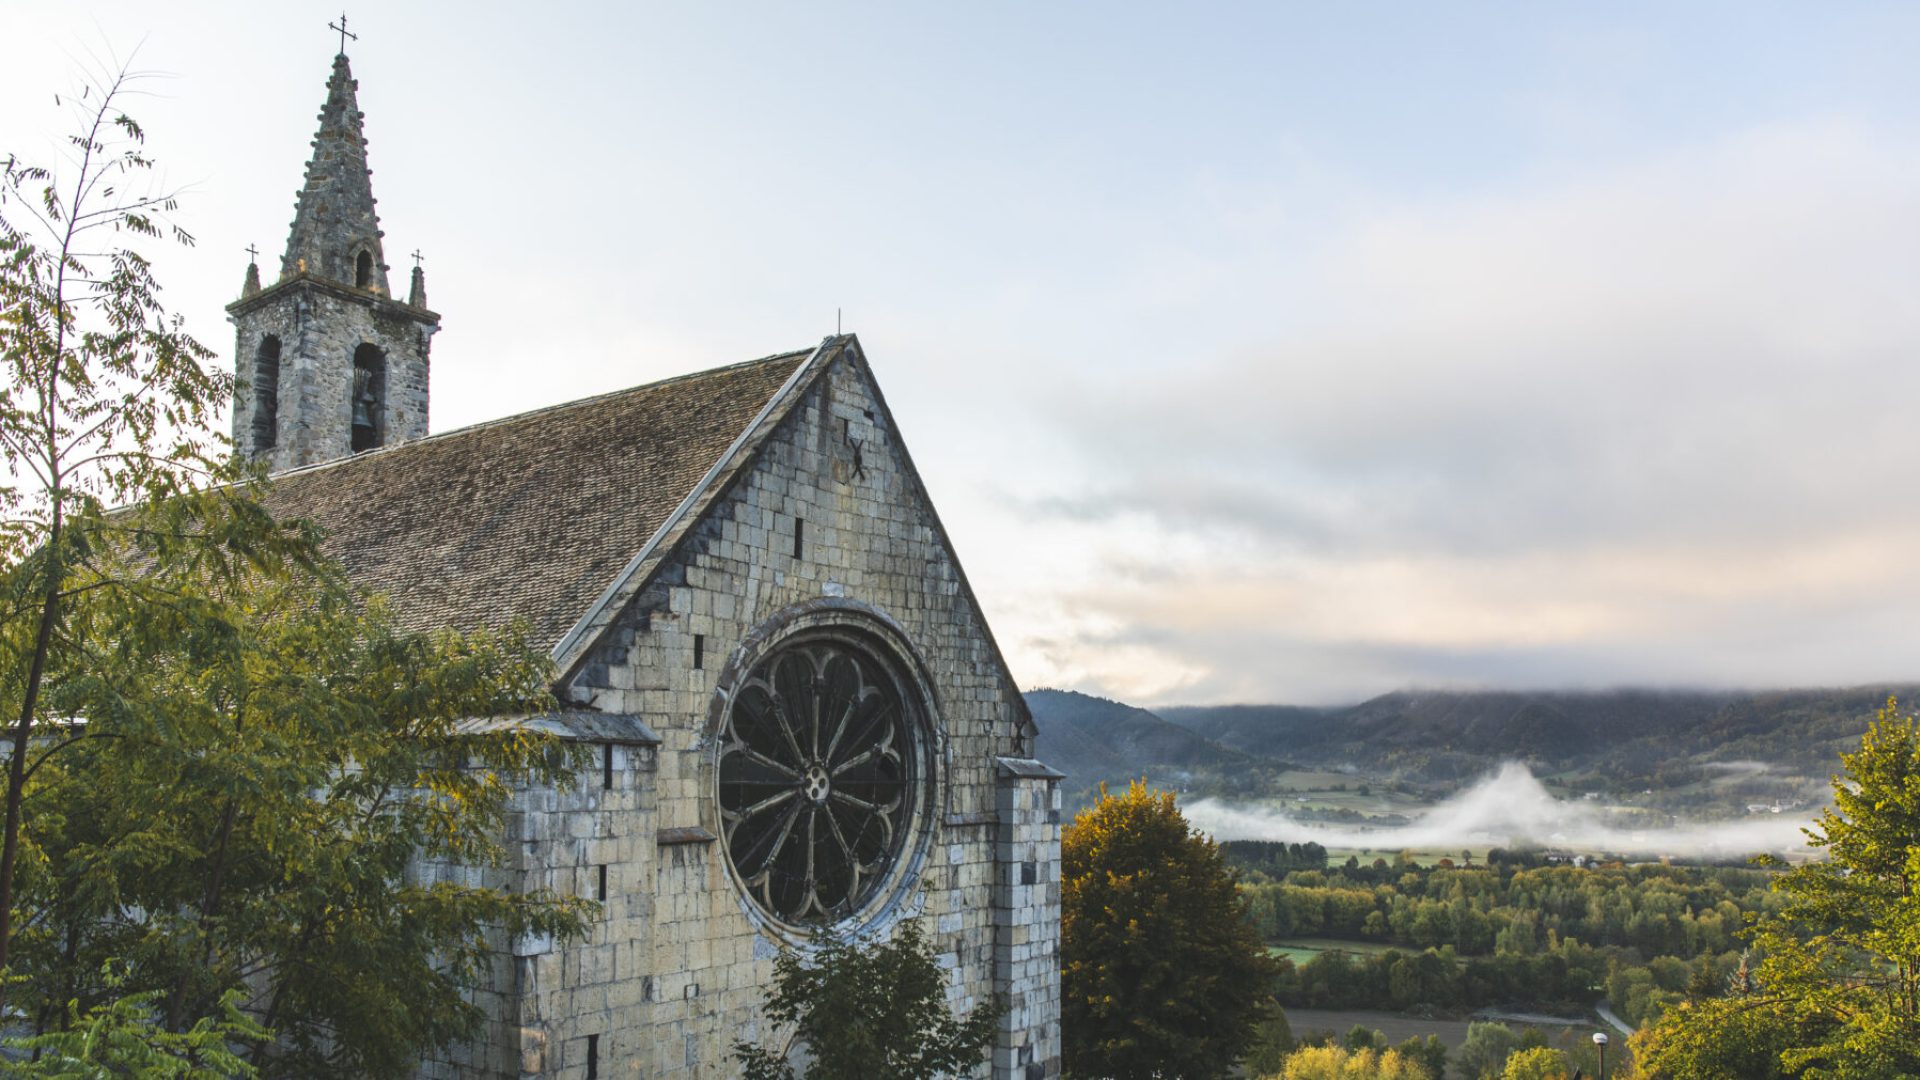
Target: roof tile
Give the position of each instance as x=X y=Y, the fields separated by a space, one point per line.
x=529 y=517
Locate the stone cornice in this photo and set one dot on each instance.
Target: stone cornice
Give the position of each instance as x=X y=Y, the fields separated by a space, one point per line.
x=326 y=285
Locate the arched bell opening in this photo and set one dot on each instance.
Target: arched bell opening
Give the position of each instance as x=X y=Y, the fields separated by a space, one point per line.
x=363 y=270
x=369 y=397
x=266 y=394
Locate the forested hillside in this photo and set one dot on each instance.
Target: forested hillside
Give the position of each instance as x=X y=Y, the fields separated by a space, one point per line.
x=1693 y=753
x=1094 y=740
x=1660 y=737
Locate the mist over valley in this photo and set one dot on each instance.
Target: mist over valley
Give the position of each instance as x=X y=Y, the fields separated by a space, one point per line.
x=1510 y=808
x=1711 y=776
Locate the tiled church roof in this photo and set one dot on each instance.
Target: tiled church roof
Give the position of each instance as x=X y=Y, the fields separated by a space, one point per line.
x=533 y=516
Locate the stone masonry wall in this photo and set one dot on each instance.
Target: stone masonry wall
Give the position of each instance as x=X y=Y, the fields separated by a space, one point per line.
x=319 y=327
x=677 y=971
x=1026 y=919
x=559 y=840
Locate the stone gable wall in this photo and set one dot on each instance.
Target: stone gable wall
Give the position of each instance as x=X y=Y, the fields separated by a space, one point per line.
x=676 y=972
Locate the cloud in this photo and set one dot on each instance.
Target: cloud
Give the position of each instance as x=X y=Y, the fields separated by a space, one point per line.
x=1641 y=426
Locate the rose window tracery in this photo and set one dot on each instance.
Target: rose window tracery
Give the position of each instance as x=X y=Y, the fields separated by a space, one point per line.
x=817 y=775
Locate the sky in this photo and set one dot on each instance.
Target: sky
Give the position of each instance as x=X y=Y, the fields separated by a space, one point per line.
x=1276 y=352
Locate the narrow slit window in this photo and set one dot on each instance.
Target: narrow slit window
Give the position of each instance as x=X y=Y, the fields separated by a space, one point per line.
x=363 y=270
x=606 y=766
x=593 y=1057
x=600 y=889
x=699 y=651
x=799 y=534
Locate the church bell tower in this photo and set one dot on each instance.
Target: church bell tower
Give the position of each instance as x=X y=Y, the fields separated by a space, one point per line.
x=327 y=362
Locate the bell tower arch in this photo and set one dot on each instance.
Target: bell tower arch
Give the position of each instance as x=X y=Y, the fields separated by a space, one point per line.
x=328 y=362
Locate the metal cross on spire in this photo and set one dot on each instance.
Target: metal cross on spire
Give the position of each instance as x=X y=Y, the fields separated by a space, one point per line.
x=344 y=35
x=416 y=258
x=253 y=253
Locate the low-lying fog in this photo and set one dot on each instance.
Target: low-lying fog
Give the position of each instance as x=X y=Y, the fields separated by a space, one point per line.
x=1507 y=809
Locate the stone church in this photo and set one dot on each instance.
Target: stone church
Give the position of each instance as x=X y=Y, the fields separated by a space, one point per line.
x=798 y=713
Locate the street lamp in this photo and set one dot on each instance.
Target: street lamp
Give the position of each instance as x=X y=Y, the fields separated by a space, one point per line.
x=1600 y=1040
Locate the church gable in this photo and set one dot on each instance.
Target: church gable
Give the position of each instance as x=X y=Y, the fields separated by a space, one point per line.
x=840 y=742
x=823 y=508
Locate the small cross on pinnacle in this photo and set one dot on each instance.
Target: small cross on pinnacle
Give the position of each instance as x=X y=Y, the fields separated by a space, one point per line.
x=344 y=35
x=253 y=253
x=416 y=258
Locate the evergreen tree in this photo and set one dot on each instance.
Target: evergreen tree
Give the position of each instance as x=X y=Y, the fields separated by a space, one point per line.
x=1163 y=973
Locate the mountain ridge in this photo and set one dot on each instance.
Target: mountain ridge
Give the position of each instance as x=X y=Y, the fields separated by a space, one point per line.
x=1435 y=734
x=1784 y=742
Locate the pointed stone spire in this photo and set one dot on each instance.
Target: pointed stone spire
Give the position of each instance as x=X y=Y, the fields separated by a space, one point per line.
x=327 y=362
x=417 y=296
x=336 y=233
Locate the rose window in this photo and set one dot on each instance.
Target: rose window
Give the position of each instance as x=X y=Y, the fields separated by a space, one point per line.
x=817 y=774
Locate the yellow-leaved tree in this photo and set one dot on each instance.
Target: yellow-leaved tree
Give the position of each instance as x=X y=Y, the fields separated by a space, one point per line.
x=1163 y=972
x=1340 y=1063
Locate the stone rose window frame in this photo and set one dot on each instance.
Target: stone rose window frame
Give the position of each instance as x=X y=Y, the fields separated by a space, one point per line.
x=833 y=835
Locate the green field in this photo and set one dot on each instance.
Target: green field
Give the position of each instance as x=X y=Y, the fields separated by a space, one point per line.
x=1394 y=1026
x=1420 y=856
x=1301 y=950
x=1398 y=1027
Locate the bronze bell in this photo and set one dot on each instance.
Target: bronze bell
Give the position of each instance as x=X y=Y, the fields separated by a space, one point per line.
x=363 y=398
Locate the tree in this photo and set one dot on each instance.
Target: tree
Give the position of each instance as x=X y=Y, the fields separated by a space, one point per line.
x=1272 y=1042
x=1341 y=1063
x=1730 y=1038
x=1430 y=1053
x=1362 y=1037
x=1485 y=1050
x=281 y=753
x=1537 y=1063
x=106 y=401
x=1163 y=973
x=1837 y=990
x=123 y=1038
x=869 y=1013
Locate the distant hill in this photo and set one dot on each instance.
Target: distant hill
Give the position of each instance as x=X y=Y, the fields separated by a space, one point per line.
x=1448 y=735
x=1260 y=730
x=1093 y=740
